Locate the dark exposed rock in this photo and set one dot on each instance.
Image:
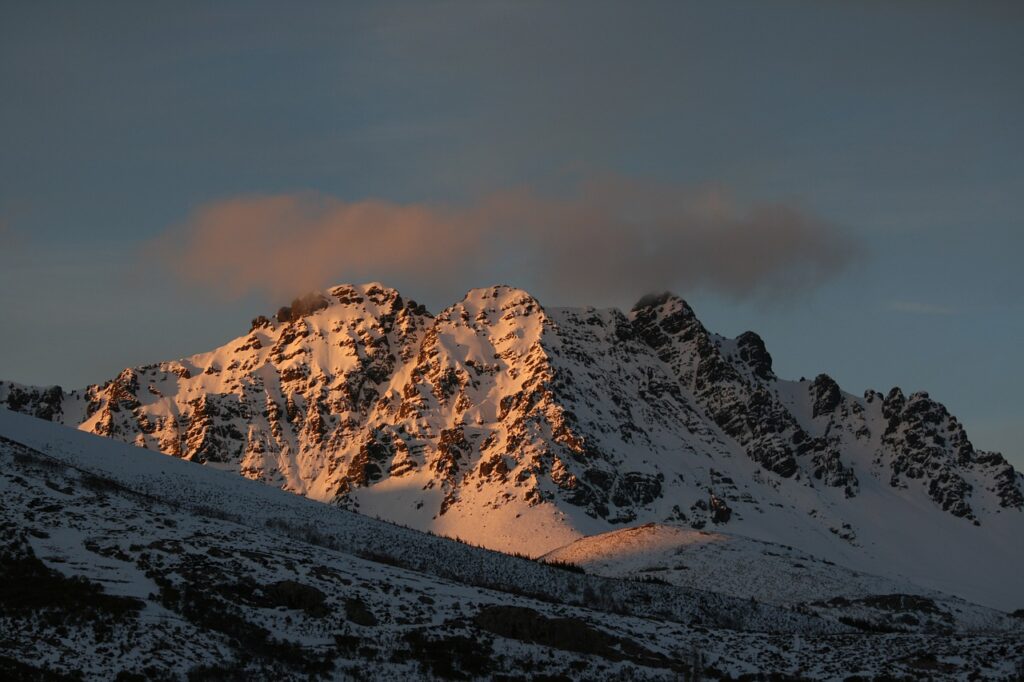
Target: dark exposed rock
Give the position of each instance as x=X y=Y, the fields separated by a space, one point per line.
x=452 y=447
x=901 y=602
x=359 y=613
x=566 y=634
x=1005 y=478
x=368 y=464
x=825 y=394
x=495 y=467
x=283 y=593
x=827 y=466
x=750 y=414
x=720 y=511
x=636 y=488
x=754 y=353
x=927 y=444
x=44 y=403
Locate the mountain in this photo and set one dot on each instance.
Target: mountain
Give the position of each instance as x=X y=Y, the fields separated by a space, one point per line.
x=118 y=563
x=525 y=428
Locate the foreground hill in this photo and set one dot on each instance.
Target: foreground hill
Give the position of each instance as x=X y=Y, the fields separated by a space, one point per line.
x=524 y=429
x=120 y=561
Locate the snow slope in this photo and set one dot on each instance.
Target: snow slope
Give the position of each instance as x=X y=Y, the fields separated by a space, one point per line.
x=767 y=572
x=733 y=564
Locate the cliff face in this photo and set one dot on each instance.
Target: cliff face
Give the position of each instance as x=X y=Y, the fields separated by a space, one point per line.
x=522 y=428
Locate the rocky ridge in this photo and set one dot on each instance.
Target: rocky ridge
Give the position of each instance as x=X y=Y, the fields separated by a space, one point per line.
x=523 y=428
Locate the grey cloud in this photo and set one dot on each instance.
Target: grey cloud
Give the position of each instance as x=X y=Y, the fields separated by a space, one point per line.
x=608 y=240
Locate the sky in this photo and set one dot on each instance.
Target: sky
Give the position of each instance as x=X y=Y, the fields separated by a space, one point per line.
x=845 y=178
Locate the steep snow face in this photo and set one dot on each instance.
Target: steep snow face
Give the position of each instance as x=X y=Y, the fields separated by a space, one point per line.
x=524 y=428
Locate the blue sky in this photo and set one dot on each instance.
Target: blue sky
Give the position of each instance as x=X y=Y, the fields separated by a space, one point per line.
x=900 y=126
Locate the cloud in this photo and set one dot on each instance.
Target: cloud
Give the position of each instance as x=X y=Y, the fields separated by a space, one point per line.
x=608 y=240
x=918 y=308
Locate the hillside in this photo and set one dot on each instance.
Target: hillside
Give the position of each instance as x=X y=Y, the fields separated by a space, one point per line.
x=116 y=560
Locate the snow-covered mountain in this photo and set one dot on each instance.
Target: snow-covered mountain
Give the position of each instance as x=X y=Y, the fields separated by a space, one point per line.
x=122 y=563
x=524 y=429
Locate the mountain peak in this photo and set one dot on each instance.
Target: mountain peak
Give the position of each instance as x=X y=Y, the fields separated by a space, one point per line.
x=494 y=303
x=664 y=300
x=379 y=295
x=499 y=294
x=374 y=290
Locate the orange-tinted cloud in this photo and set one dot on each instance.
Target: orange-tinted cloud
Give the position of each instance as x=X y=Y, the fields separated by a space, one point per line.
x=611 y=239
x=296 y=242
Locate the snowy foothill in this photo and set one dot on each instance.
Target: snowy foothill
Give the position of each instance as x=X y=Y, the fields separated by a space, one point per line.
x=120 y=560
